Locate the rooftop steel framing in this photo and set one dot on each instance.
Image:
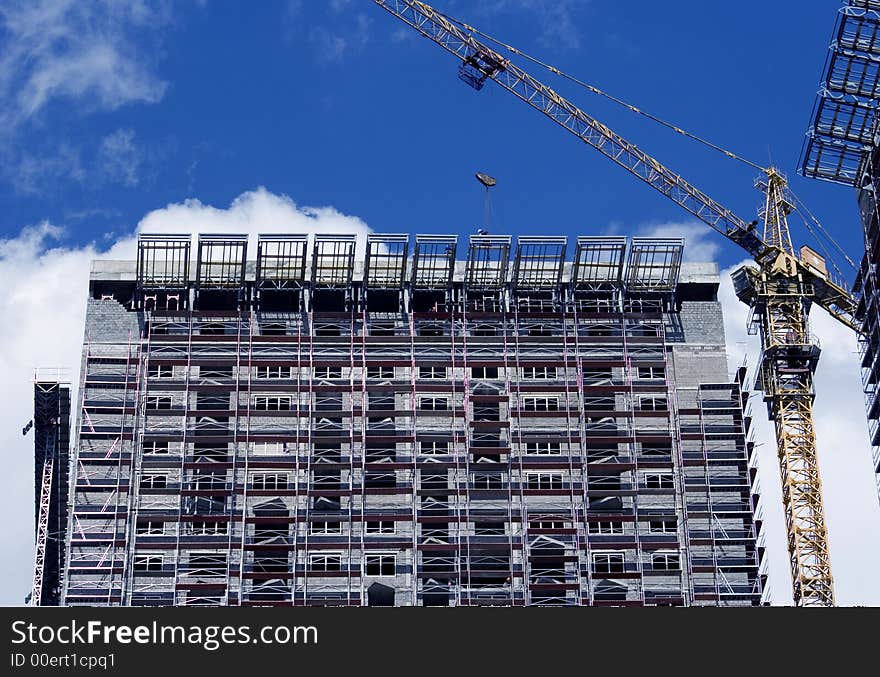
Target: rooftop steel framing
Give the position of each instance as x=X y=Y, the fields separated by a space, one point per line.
x=281 y=261
x=844 y=115
x=434 y=261
x=598 y=262
x=333 y=260
x=539 y=262
x=487 y=261
x=163 y=260
x=654 y=264
x=385 y=262
x=221 y=261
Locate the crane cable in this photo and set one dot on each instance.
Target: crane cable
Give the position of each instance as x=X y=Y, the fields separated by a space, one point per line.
x=606 y=95
x=804 y=211
x=635 y=109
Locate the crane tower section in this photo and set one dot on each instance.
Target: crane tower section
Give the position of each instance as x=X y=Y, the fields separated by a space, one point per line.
x=51 y=484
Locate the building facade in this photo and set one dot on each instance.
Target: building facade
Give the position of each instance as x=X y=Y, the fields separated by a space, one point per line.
x=397 y=421
x=869 y=305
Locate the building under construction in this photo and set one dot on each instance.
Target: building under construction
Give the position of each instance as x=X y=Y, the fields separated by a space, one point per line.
x=409 y=421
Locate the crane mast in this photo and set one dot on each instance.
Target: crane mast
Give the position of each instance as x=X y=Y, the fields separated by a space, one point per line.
x=43 y=524
x=780 y=290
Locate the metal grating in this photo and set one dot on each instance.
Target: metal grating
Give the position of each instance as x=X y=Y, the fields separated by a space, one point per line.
x=333 y=260
x=598 y=261
x=163 y=260
x=844 y=115
x=487 y=260
x=653 y=264
x=539 y=261
x=221 y=261
x=281 y=261
x=385 y=262
x=434 y=260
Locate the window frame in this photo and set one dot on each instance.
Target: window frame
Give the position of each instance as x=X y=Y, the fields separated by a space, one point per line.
x=548 y=448
x=266 y=399
x=539 y=373
x=382 y=558
x=551 y=477
x=434 y=399
x=206 y=528
x=446 y=448
x=280 y=480
x=644 y=373
x=330 y=373
x=149 y=480
x=657 y=403
x=546 y=402
x=152 y=402
x=431 y=373
x=662 y=479
x=148 y=528
x=611 y=558
x=484 y=374
x=163 y=371
x=382 y=529
x=382 y=375
x=671 y=560
x=327 y=557
x=664 y=528
x=273 y=372
x=605 y=528
x=328 y=529
x=146 y=563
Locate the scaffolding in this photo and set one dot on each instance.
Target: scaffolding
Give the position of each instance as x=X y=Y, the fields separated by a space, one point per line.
x=162 y=271
x=398 y=431
x=654 y=264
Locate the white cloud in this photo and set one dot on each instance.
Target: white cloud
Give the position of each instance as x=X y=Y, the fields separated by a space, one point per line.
x=257 y=211
x=851 y=503
x=339 y=5
x=701 y=242
x=332 y=47
x=45 y=289
x=38 y=172
x=119 y=157
x=88 y=52
x=89 y=56
x=555 y=18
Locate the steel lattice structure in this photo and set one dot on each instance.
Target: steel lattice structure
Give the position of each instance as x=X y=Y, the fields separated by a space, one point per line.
x=51 y=440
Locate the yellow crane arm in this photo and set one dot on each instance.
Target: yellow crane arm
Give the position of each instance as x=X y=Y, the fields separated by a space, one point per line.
x=480 y=63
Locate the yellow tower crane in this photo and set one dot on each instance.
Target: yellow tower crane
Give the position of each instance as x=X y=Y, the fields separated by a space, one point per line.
x=780 y=290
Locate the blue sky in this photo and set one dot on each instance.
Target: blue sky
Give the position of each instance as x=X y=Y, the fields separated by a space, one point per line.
x=335 y=103
x=166 y=115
